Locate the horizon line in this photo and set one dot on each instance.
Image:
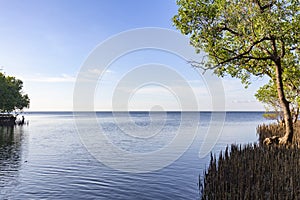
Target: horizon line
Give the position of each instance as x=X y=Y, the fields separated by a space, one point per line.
x=35 y=111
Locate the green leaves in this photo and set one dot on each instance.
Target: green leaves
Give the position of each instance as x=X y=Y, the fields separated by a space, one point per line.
x=245 y=38
x=239 y=35
x=11 y=96
x=268 y=95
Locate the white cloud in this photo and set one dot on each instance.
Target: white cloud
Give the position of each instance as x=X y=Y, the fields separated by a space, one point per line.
x=245 y=101
x=63 y=78
x=96 y=71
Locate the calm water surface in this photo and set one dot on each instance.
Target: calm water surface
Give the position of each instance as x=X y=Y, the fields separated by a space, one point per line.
x=47 y=160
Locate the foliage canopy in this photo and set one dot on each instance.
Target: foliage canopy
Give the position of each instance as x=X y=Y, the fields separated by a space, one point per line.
x=243 y=37
x=11 y=95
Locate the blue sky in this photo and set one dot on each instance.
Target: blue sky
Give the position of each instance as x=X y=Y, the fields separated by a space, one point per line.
x=45 y=43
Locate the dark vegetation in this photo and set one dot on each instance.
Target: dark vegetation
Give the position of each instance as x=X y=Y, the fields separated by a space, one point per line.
x=255 y=171
x=11 y=94
x=7 y=120
x=265 y=131
x=12 y=99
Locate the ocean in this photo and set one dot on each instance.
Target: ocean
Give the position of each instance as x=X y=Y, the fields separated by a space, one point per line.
x=104 y=155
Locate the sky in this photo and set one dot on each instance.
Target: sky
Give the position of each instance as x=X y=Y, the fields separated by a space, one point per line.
x=47 y=43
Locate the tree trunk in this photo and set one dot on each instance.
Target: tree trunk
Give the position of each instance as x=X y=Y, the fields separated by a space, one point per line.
x=288 y=137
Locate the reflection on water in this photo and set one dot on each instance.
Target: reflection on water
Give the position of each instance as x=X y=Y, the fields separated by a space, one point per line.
x=10 y=157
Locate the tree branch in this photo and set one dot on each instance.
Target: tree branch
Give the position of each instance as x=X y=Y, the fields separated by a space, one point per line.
x=219 y=61
x=243 y=55
x=225 y=28
x=263 y=8
x=282 y=48
x=275 y=54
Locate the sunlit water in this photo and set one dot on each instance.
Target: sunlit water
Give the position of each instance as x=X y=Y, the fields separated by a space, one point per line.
x=47 y=160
